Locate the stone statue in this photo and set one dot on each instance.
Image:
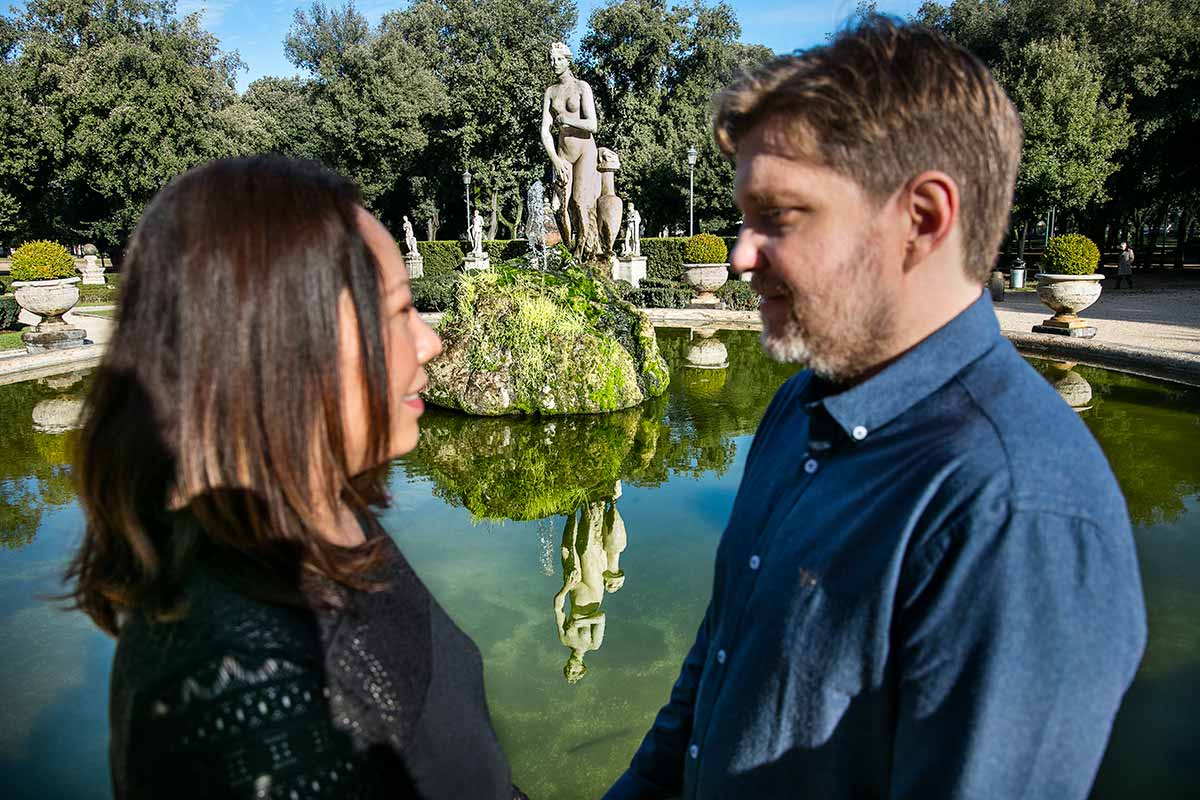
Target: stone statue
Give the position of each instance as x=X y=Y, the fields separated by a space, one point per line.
x=568 y=133
x=608 y=205
x=410 y=239
x=477 y=235
x=633 y=232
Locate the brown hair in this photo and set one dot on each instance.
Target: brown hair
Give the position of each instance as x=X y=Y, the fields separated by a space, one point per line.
x=883 y=102
x=220 y=390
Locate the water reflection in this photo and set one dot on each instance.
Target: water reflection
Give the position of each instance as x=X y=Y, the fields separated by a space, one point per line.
x=592 y=542
x=35 y=472
x=1070 y=385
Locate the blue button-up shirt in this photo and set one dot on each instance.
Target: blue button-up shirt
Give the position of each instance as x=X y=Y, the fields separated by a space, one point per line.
x=927 y=589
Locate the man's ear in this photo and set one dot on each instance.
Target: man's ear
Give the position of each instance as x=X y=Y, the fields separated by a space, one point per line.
x=931 y=203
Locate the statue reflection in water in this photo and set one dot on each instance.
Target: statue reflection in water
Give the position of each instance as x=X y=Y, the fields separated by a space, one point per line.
x=593 y=540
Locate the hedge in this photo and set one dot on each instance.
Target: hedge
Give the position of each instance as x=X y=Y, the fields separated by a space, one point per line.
x=737 y=295
x=446 y=255
x=661 y=294
x=436 y=292
x=705 y=248
x=8 y=312
x=664 y=257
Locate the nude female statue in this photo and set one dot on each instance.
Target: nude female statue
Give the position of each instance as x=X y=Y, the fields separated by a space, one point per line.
x=568 y=134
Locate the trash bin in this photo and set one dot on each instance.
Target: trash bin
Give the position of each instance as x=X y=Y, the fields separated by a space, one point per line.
x=1017 y=275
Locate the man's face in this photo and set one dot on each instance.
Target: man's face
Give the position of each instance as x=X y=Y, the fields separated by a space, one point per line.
x=817 y=250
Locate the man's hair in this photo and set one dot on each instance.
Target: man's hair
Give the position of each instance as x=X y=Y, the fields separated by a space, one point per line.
x=883 y=102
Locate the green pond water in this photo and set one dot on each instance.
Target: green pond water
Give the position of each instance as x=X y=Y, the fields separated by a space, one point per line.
x=480 y=510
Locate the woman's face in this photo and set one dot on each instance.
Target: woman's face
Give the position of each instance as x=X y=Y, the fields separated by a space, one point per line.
x=409 y=343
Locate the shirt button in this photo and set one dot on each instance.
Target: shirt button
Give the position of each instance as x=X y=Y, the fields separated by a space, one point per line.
x=754 y=562
x=859 y=433
x=810 y=466
x=720 y=656
x=694 y=751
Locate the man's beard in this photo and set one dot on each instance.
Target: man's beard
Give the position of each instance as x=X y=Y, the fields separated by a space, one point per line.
x=838 y=331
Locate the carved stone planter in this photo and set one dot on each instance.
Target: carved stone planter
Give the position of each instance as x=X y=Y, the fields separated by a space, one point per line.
x=49 y=300
x=1067 y=295
x=706 y=279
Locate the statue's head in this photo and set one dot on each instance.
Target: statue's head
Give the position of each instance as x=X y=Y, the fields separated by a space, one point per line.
x=560 y=57
x=575 y=669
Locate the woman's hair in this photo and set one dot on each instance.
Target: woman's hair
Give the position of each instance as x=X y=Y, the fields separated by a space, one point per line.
x=559 y=47
x=220 y=391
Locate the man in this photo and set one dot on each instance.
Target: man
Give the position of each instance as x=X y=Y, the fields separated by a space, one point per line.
x=1125 y=265
x=918 y=594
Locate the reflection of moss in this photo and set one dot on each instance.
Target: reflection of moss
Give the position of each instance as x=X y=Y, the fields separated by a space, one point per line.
x=54 y=448
x=518 y=468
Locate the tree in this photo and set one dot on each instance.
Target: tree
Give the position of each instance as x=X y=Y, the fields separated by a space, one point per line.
x=654 y=71
x=119 y=97
x=371 y=99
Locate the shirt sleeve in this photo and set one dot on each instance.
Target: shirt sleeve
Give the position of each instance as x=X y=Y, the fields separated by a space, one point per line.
x=259 y=729
x=1016 y=646
x=657 y=768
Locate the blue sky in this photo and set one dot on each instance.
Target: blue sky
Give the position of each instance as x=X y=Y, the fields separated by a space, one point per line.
x=255 y=28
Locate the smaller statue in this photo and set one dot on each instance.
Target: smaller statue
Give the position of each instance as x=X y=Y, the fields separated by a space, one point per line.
x=410 y=239
x=477 y=235
x=633 y=232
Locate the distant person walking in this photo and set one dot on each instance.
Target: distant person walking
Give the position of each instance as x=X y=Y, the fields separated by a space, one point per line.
x=1125 y=265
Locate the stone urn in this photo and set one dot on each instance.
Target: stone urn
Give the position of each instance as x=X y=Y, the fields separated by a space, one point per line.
x=57 y=415
x=49 y=300
x=1070 y=385
x=706 y=351
x=1067 y=295
x=706 y=279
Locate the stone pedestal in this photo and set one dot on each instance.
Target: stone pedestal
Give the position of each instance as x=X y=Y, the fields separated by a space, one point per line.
x=629 y=268
x=472 y=261
x=415 y=264
x=93 y=273
x=52 y=336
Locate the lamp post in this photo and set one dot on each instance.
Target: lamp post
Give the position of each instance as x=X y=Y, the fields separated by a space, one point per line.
x=466 y=176
x=692 y=153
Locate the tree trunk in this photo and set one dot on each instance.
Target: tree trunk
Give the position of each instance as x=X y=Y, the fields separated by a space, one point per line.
x=491 y=231
x=514 y=225
x=1021 y=242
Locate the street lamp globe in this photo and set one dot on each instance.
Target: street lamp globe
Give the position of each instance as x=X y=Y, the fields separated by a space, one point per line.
x=692 y=154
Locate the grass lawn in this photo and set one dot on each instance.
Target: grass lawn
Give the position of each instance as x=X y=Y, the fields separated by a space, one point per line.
x=105 y=313
x=11 y=340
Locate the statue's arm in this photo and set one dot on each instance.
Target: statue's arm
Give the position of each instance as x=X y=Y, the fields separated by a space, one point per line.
x=547 y=132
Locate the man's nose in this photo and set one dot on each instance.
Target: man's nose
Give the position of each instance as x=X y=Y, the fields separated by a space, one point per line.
x=745 y=255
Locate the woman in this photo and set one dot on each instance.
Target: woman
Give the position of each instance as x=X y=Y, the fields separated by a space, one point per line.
x=568 y=106
x=272 y=641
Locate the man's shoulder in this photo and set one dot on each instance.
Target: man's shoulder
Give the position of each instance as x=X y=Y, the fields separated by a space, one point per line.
x=1021 y=428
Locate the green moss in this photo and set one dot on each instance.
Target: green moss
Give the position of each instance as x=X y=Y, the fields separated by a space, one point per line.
x=522 y=341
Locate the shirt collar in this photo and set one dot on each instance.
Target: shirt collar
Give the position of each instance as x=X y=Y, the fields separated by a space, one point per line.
x=924 y=369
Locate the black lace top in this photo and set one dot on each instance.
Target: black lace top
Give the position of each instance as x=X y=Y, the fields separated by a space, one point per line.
x=241 y=698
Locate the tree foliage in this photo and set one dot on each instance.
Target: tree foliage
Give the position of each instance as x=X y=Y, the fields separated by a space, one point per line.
x=102 y=102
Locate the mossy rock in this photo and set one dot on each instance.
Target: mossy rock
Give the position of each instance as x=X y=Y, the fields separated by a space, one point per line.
x=518 y=341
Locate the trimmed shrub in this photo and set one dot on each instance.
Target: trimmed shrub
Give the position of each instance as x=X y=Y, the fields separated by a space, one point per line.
x=664 y=258
x=704 y=248
x=622 y=288
x=1071 y=254
x=435 y=293
x=108 y=294
x=738 y=296
x=441 y=257
x=8 y=312
x=42 y=261
x=505 y=249
x=661 y=294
